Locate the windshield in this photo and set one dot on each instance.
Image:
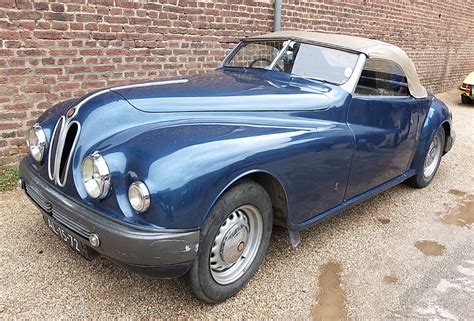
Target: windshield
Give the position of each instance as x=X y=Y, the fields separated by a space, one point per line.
x=299 y=59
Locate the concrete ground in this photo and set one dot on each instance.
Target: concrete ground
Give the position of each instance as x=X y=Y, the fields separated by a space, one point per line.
x=405 y=253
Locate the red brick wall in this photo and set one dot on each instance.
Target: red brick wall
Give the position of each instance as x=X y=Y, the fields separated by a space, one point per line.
x=437 y=35
x=51 y=51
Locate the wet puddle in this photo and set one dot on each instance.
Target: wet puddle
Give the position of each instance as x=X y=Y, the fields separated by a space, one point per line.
x=331 y=299
x=463 y=214
x=457 y=192
x=430 y=248
x=383 y=220
x=390 y=279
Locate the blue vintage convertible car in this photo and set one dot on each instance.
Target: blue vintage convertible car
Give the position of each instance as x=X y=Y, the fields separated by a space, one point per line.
x=187 y=176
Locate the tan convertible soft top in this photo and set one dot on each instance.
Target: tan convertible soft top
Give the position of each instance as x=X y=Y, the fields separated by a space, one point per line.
x=371 y=48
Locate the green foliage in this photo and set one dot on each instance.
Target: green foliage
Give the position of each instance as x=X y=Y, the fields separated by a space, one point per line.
x=8 y=179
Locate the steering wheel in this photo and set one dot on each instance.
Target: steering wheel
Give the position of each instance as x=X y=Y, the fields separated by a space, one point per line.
x=263 y=59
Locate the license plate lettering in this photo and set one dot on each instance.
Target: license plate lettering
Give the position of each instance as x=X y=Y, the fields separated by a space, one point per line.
x=76 y=245
x=64 y=235
x=51 y=227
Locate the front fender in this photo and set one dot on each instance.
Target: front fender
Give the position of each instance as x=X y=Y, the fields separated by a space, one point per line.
x=187 y=166
x=436 y=116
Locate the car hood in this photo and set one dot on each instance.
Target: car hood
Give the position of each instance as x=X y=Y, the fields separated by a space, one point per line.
x=228 y=90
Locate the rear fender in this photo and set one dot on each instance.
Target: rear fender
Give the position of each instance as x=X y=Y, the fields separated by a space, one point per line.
x=436 y=116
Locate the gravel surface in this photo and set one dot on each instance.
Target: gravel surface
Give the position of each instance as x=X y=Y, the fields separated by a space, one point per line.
x=396 y=255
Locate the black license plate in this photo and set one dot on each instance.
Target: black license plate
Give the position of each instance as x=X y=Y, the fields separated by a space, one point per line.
x=68 y=237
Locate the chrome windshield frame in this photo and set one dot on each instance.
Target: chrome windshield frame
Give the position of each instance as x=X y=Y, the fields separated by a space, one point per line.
x=285 y=47
x=231 y=54
x=349 y=86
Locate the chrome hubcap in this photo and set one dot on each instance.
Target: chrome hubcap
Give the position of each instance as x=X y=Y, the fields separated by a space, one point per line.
x=234 y=241
x=432 y=158
x=236 y=244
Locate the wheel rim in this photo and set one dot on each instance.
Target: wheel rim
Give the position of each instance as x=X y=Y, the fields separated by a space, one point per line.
x=236 y=244
x=432 y=157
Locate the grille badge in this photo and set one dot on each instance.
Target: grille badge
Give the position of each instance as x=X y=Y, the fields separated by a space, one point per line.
x=71 y=112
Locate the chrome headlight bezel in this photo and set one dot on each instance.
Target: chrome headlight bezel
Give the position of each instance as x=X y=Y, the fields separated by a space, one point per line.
x=38 y=147
x=140 y=190
x=100 y=175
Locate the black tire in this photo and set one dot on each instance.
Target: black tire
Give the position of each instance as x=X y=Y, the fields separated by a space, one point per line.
x=465 y=99
x=200 y=279
x=420 y=180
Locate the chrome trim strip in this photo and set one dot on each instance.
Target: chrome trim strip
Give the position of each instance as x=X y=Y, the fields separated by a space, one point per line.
x=62 y=122
x=82 y=102
x=59 y=151
x=154 y=83
x=71 y=152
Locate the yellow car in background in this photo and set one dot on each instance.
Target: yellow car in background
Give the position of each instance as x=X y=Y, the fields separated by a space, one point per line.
x=467 y=89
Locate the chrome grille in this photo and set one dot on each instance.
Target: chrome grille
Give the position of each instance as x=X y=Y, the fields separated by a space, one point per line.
x=39 y=199
x=53 y=147
x=63 y=142
x=76 y=227
x=56 y=214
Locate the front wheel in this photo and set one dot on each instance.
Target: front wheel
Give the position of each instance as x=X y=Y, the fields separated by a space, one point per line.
x=234 y=239
x=431 y=162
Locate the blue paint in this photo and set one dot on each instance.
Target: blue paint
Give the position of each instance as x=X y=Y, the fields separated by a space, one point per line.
x=385 y=130
x=433 y=115
x=189 y=141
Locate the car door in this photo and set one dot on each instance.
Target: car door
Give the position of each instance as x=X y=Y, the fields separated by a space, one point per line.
x=384 y=118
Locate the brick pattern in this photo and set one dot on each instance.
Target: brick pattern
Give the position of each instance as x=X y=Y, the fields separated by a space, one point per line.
x=437 y=35
x=51 y=51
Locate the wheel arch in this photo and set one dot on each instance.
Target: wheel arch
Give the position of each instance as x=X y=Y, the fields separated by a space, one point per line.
x=437 y=117
x=447 y=131
x=273 y=187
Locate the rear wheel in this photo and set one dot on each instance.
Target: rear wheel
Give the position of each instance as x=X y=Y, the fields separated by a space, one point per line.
x=465 y=99
x=432 y=160
x=234 y=239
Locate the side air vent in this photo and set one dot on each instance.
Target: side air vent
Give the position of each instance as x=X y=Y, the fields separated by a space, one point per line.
x=64 y=140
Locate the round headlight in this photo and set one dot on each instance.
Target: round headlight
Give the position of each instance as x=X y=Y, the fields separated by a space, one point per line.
x=139 y=196
x=36 y=141
x=96 y=176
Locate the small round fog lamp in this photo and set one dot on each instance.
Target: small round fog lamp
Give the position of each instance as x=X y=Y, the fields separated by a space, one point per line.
x=139 y=196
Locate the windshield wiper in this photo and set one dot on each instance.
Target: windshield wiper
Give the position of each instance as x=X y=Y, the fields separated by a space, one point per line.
x=317 y=79
x=326 y=81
